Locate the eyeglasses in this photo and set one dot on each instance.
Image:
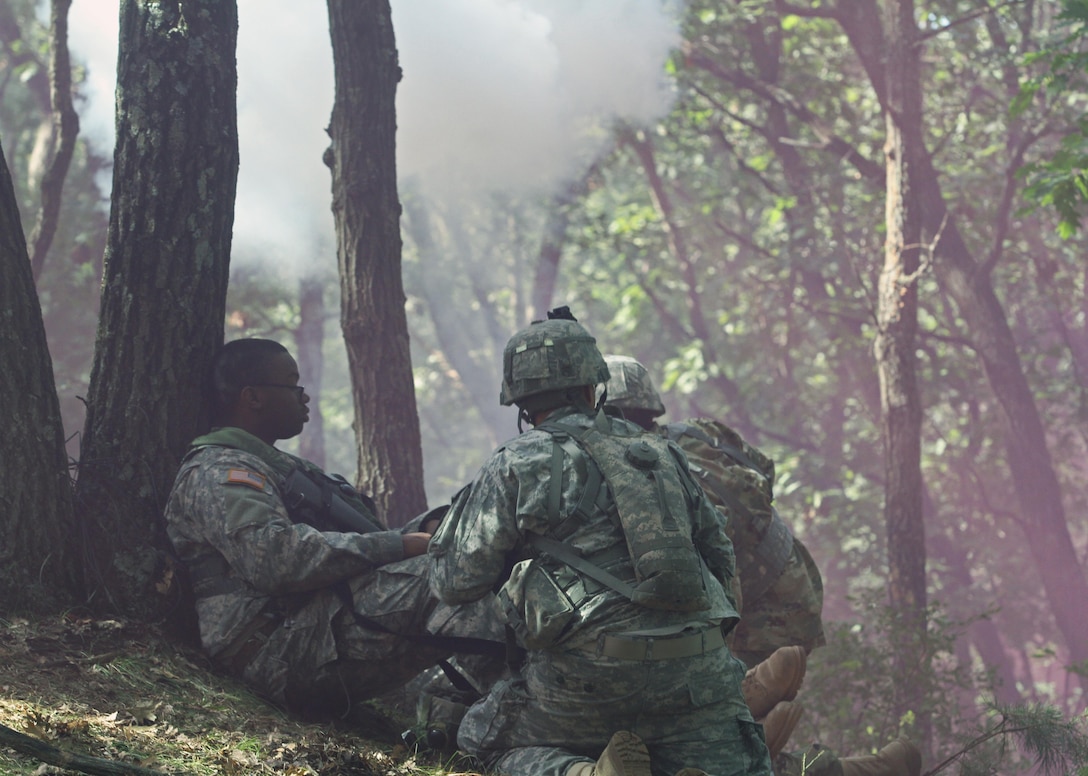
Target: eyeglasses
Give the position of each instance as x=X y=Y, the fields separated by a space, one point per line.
x=298 y=389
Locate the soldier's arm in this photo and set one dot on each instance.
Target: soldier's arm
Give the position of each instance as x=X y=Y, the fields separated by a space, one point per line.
x=468 y=552
x=248 y=523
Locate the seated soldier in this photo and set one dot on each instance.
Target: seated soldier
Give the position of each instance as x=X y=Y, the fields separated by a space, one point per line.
x=299 y=590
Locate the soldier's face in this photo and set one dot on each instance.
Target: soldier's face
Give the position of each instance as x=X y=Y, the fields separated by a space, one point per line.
x=283 y=403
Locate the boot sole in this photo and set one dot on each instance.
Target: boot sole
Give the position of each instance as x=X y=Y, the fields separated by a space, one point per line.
x=784 y=722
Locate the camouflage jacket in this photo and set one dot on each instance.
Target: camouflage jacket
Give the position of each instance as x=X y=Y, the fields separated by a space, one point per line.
x=228 y=523
x=484 y=536
x=741 y=485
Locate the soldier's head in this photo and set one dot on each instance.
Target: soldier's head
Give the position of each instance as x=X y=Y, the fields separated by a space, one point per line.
x=254 y=386
x=551 y=364
x=632 y=391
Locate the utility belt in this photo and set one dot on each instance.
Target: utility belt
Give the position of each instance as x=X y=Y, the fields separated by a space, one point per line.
x=657 y=647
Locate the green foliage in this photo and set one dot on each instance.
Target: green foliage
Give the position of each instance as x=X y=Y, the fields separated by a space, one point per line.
x=851 y=684
x=1061 y=180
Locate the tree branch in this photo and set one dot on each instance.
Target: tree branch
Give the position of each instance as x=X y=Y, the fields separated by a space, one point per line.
x=830 y=142
x=47 y=753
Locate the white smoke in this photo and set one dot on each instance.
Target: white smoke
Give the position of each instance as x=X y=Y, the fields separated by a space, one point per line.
x=511 y=95
x=497 y=95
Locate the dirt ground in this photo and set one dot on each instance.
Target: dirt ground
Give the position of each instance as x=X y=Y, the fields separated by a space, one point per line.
x=126 y=693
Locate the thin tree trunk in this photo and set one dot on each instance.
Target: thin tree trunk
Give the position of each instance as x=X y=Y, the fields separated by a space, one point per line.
x=65 y=128
x=164 y=291
x=897 y=324
x=309 y=348
x=971 y=286
x=551 y=244
x=362 y=158
x=479 y=382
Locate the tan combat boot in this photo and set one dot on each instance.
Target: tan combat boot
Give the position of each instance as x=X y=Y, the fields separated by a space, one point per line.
x=779 y=724
x=778 y=678
x=899 y=758
x=625 y=755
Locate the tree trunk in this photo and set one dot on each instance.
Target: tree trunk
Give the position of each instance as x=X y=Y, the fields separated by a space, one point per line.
x=362 y=158
x=479 y=381
x=164 y=291
x=897 y=324
x=35 y=492
x=309 y=347
x=64 y=124
x=970 y=285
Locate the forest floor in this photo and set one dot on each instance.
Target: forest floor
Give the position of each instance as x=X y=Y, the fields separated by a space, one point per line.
x=127 y=694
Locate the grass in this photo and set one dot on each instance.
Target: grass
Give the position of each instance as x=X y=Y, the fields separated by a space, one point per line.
x=125 y=692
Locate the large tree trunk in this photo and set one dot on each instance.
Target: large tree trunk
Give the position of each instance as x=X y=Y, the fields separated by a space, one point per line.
x=35 y=492
x=164 y=291
x=364 y=202
x=897 y=324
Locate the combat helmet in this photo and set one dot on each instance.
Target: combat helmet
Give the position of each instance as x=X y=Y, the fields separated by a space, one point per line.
x=631 y=389
x=543 y=361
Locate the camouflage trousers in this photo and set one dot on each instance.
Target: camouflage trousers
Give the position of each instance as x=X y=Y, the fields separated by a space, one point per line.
x=789 y=613
x=562 y=708
x=369 y=658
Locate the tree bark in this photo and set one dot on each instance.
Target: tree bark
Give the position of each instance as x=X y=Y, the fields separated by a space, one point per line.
x=35 y=491
x=897 y=324
x=64 y=123
x=969 y=283
x=479 y=381
x=164 y=291
x=362 y=158
x=309 y=346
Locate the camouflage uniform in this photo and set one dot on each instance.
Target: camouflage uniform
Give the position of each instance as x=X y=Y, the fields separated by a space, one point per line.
x=571 y=694
x=273 y=595
x=778 y=586
x=781 y=600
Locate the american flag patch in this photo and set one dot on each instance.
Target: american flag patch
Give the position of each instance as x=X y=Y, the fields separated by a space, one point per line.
x=245 y=477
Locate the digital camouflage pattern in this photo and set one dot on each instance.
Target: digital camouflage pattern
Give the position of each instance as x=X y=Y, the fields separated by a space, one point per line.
x=682 y=710
x=787 y=610
x=645 y=483
x=549 y=356
x=630 y=386
x=567 y=700
x=265 y=577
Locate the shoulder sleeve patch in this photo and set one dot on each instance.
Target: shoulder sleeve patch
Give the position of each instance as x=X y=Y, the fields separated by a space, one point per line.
x=246 y=477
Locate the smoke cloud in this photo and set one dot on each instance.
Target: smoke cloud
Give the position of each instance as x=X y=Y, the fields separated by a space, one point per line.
x=497 y=95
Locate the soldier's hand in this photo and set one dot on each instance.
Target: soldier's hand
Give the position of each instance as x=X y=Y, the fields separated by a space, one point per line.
x=415 y=543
